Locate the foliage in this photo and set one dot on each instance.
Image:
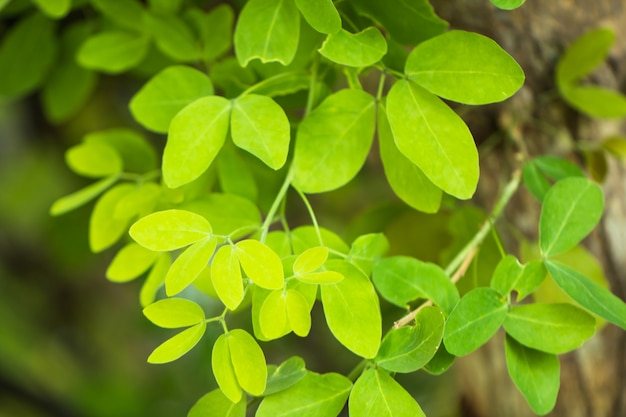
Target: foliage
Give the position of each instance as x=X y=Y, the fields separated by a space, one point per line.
x=230 y=98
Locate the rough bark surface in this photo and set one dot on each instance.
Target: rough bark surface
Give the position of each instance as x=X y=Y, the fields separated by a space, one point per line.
x=593 y=379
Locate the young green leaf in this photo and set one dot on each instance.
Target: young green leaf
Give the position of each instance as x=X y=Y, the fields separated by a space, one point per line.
x=104 y=229
x=226 y=211
x=172 y=313
x=536 y=374
x=508 y=4
x=434 y=138
x=474 y=320
x=320 y=14
x=226 y=276
x=260 y=126
x=156 y=278
x=94 y=159
x=188 y=266
x=310 y=260
x=596 y=101
x=355 y=49
x=113 y=51
x=216 y=404
x=273 y=316
x=323 y=277
x=172 y=36
x=551 y=328
x=223 y=370
x=248 y=361
x=375 y=393
x=305 y=237
x=130 y=262
x=83 y=196
x=298 y=313
x=366 y=250
x=314 y=395
x=215 y=29
x=532 y=276
x=352 y=310
x=480 y=73
x=166 y=93
x=268 y=30
x=284 y=376
x=588 y=294
x=571 y=209
x=170 y=229
x=140 y=202
x=583 y=56
x=55 y=9
x=405 y=178
x=177 y=346
x=261 y=264
x=408 y=349
x=196 y=135
x=557 y=168
x=136 y=152
x=333 y=141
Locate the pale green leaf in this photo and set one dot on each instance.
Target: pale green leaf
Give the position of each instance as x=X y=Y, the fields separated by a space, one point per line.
x=227 y=212
x=130 y=262
x=170 y=229
x=235 y=175
x=172 y=36
x=508 y=4
x=104 y=229
x=305 y=237
x=94 y=159
x=188 y=266
x=314 y=395
x=310 y=260
x=583 y=56
x=375 y=393
x=261 y=264
x=216 y=404
x=474 y=320
x=282 y=84
x=588 y=294
x=223 y=370
x=408 y=349
x=248 y=361
x=405 y=178
x=137 y=153
x=196 y=135
x=226 y=276
x=352 y=310
x=156 y=278
x=320 y=14
x=333 y=141
x=113 y=51
x=366 y=250
x=177 y=346
x=298 y=313
x=273 y=316
x=166 y=93
x=480 y=71
x=596 y=101
x=267 y=30
x=83 y=196
x=126 y=13
x=139 y=202
x=215 y=29
x=434 y=138
x=507 y=274
x=536 y=374
x=551 y=328
x=323 y=277
x=284 y=376
x=172 y=313
x=55 y=9
x=260 y=126
x=360 y=49
x=571 y=209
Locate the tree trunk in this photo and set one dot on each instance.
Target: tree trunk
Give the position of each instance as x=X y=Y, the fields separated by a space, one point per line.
x=593 y=379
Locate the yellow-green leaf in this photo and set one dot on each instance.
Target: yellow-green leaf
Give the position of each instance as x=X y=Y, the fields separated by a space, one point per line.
x=226 y=277
x=260 y=263
x=130 y=262
x=172 y=313
x=177 y=346
x=188 y=266
x=170 y=229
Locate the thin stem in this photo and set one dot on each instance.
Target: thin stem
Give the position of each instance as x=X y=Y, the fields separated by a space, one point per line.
x=275 y=205
x=311 y=97
x=357 y=370
x=312 y=214
x=381 y=85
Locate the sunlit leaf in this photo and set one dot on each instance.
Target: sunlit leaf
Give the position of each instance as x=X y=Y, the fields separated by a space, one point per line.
x=130 y=262
x=273 y=316
x=310 y=260
x=177 y=346
x=215 y=29
x=137 y=153
x=366 y=250
x=320 y=14
x=248 y=361
x=172 y=313
x=260 y=264
x=284 y=376
x=355 y=49
x=216 y=404
x=298 y=313
x=188 y=266
x=94 y=159
x=223 y=370
x=104 y=229
x=155 y=279
x=596 y=101
x=508 y=4
x=82 y=196
x=616 y=146
x=226 y=276
x=170 y=229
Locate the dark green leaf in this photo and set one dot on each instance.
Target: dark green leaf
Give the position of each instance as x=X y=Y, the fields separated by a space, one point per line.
x=215 y=29
x=235 y=175
x=441 y=362
x=136 y=152
x=113 y=51
x=156 y=278
x=126 y=13
x=557 y=168
x=55 y=9
x=172 y=36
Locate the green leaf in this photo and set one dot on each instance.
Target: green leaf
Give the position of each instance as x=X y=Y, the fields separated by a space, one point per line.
x=352 y=310
x=216 y=404
x=535 y=181
x=583 y=56
x=104 y=229
x=164 y=7
x=113 y=51
x=401 y=279
x=172 y=313
x=282 y=84
x=366 y=250
x=481 y=71
x=507 y=274
x=226 y=276
x=320 y=14
x=323 y=277
x=284 y=376
x=508 y=4
x=130 y=262
x=248 y=361
x=172 y=36
x=333 y=141
x=140 y=201
x=261 y=264
x=360 y=49
x=126 y=13
x=156 y=278
x=166 y=93
x=314 y=395
x=298 y=313
x=310 y=260
x=375 y=393
x=588 y=294
x=305 y=237
x=224 y=371
x=55 y=9
x=434 y=138
x=551 y=328
x=409 y=23
x=215 y=29
x=408 y=349
x=474 y=320
x=235 y=175
x=557 y=168
x=136 y=152
x=83 y=196
x=26 y=55
x=616 y=146
x=177 y=346
x=596 y=101
x=273 y=319
x=268 y=30
x=571 y=209
x=227 y=212
x=260 y=126
x=405 y=178
x=94 y=159
x=536 y=374
x=188 y=266
x=170 y=229
x=441 y=362
x=196 y=135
